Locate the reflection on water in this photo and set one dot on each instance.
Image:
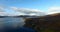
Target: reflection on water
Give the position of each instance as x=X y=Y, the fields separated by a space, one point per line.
x=10 y=21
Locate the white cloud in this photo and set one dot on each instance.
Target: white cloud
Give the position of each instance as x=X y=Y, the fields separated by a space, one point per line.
x=27 y=11
x=53 y=10
x=19 y=11
x=2 y=11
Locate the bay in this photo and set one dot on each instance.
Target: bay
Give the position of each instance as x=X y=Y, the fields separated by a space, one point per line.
x=11 y=21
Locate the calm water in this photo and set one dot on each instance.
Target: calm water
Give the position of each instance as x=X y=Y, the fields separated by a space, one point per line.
x=11 y=21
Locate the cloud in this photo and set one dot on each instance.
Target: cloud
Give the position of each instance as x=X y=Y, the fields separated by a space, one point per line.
x=2 y=11
x=27 y=11
x=53 y=10
x=19 y=11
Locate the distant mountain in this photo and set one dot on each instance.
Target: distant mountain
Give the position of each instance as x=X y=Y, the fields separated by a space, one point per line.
x=3 y=16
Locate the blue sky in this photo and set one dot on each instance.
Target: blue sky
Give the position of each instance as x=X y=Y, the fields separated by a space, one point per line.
x=42 y=5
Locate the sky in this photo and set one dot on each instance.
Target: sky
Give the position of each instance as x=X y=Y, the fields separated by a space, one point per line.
x=31 y=7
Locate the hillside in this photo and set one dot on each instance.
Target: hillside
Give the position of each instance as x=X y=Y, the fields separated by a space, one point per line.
x=48 y=23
